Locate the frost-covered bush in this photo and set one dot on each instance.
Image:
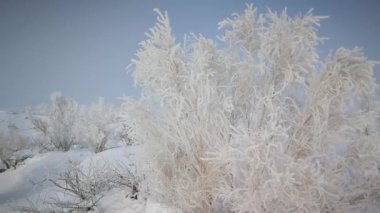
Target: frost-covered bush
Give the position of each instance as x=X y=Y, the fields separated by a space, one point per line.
x=256 y=121
x=65 y=123
x=95 y=126
x=56 y=128
x=121 y=128
x=81 y=187
x=11 y=144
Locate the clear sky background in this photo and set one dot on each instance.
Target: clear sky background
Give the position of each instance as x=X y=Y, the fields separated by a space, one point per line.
x=81 y=47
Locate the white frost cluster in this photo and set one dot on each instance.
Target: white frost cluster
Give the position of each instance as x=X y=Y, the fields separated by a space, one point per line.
x=65 y=123
x=256 y=121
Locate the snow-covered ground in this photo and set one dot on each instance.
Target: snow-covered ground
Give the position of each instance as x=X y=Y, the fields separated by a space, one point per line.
x=29 y=180
x=29 y=184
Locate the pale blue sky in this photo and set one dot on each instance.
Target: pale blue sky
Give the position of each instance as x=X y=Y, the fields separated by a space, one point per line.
x=81 y=47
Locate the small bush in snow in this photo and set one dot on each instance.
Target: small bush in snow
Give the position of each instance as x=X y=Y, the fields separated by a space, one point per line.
x=11 y=144
x=81 y=186
x=95 y=126
x=256 y=121
x=57 y=128
x=82 y=189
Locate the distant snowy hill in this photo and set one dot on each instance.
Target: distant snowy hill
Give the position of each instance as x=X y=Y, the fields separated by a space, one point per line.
x=19 y=119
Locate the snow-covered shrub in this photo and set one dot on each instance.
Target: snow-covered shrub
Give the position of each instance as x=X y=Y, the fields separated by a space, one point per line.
x=256 y=121
x=121 y=129
x=11 y=144
x=82 y=189
x=81 y=186
x=57 y=127
x=95 y=126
